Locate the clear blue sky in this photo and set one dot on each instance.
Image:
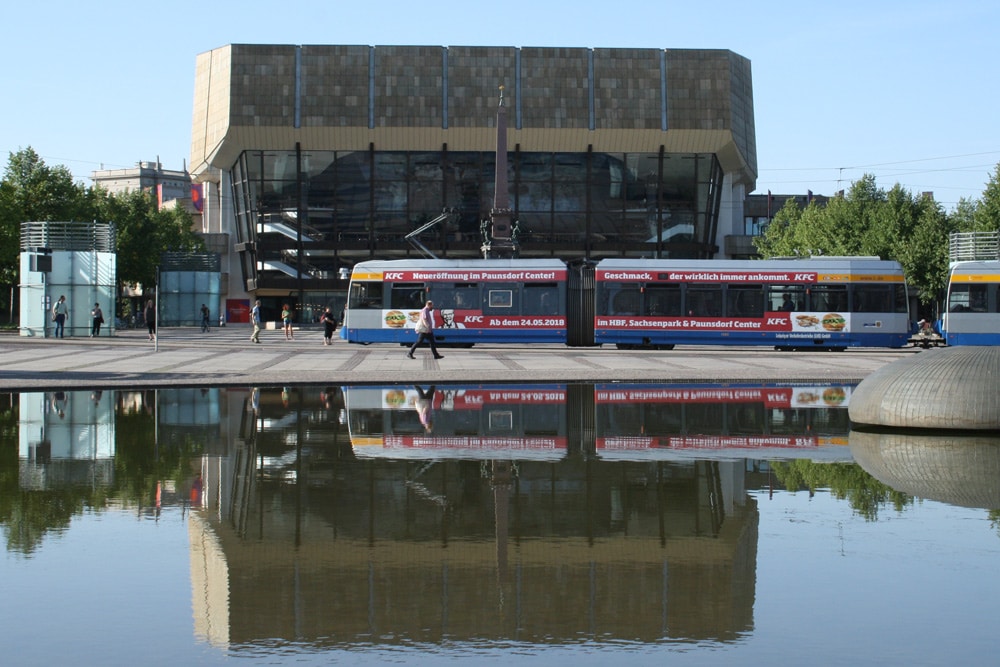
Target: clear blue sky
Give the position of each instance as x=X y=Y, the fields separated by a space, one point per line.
x=904 y=90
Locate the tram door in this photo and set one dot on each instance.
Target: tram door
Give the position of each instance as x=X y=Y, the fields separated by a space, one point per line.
x=580 y=279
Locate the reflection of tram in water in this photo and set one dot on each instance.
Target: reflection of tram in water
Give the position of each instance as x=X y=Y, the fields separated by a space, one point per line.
x=619 y=421
x=493 y=421
x=704 y=421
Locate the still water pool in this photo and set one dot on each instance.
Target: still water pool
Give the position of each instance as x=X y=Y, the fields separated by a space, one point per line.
x=538 y=524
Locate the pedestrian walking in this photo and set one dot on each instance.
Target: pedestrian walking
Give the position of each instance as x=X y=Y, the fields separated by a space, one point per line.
x=97 y=319
x=329 y=325
x=204 y=318
x=286 y=320
x=425 y=331
x=255 y=322
x=59 y=313
x=149 y=314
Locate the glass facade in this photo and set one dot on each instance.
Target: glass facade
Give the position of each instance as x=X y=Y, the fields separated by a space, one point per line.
x=305 y=217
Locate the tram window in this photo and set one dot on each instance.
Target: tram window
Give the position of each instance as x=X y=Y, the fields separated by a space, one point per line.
x=900 y=300
x=541 y=420
x=787 y=420
x=827 y=297
x=617 y=419
x=407 y=296
x=747 y=418
x=786 y=299
x=830 y=420
x=626 y=301
x=665 y=419
x=871 y=299
x=466 y=297
x=540 y=300
x=745 y=301
x=366 y=295
x=465 y=422
x=501 y=298
x=405 y=421
x=501 y=420
x=460 y=296
x=977 y=298
x=967 y=298
x=704 y=301
x=366 y=422
x=705 y=419
x=664 y=300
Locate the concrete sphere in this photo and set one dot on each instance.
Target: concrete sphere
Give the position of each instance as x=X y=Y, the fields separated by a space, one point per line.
x=950 y=388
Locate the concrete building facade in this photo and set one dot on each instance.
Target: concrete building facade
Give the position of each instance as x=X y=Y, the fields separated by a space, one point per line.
x=315 y=157
x=168 y=184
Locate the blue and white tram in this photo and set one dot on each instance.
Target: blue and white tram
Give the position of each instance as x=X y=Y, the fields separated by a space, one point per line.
x=972 y=309
x=822 y=302
x=476 y=301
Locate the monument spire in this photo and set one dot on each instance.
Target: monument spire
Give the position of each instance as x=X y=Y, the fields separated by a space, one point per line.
x=499 y=238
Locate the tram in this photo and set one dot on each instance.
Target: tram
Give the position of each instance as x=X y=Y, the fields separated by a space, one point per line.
x=972 y=309
x=617 y=421
x=474 y=421
x=821 y=302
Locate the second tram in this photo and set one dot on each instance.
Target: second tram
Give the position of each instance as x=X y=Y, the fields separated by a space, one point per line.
x=972 y=310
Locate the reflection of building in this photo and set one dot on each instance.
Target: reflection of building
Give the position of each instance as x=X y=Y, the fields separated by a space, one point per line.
x=402 y=551
x=301 y=540
x=66 y=438
x=315 y=157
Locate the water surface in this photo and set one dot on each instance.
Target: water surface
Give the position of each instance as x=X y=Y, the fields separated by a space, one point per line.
x=549 y=525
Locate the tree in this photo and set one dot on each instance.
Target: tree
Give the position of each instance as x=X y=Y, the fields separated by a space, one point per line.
x=143 y=233
x=963 y=218
x=912 y=230
x=987 y=213
x=923 y=254
x=31 y=191
x=37 y=192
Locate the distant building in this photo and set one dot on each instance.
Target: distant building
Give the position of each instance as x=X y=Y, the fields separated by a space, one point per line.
x=758 y=211
x=166 y=184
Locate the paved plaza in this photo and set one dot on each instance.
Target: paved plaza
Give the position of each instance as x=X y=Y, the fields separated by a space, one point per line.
x=226 y=357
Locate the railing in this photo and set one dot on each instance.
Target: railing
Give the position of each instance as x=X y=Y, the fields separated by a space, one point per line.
x=72 y=236
x=973 y=246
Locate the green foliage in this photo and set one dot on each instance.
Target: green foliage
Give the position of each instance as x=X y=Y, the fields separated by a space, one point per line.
x=28 y=516
x=867 y=220
x=865 y=494
x=31 y=191
x=38 y=192
x=143 y=232
x=986 y=217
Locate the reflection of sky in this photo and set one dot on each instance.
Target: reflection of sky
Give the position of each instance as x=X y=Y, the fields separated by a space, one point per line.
x=916 y=587
x=113 y=587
